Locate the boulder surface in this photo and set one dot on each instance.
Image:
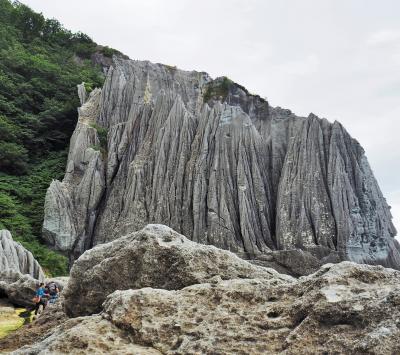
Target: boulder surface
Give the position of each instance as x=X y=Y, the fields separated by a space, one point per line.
x=18 y=288
x=156 y=257
x=344 y=308
x=87 y=335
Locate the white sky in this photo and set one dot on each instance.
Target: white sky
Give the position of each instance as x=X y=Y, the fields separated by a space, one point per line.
x=339 y=59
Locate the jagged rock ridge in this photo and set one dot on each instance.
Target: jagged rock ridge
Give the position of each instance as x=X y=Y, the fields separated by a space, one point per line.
x=220 y=166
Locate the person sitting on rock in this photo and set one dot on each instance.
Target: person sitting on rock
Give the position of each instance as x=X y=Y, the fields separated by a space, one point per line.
x=53 y=291
x=40 y=298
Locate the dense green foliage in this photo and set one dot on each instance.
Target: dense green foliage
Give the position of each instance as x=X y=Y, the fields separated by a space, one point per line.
x=21 y=208
x=109 y=52
x=40 y=65
x=219 y=88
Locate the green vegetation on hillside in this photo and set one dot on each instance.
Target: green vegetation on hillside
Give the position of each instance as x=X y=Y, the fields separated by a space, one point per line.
x=40 y=65
x=218 y=89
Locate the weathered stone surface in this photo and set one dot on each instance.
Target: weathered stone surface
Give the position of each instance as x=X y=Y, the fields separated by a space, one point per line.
x=165 y=294
x=343 y=308
x=20 y=273
x=295 y=262
x=13 y=256
x=333 y=201
x=220 y=166
x=155 y=257
x=87 y=335
x=18 y=288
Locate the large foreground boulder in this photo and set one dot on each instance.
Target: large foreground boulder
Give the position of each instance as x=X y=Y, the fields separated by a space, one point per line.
x=343 y=308
x=155 y=257
x=13 y=256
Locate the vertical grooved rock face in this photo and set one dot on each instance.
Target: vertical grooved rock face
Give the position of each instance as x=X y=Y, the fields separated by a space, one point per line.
x=161 y=145
x=13 y=256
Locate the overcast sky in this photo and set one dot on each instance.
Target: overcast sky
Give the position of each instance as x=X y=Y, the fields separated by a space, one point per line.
x=339 y=59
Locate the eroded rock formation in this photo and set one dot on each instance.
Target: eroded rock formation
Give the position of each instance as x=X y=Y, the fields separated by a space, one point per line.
x=18 y=288
x=90 y=335
x=161 y=145
x=20 y=272
x=343 y=308
x=155 y=257
x=13 y=256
